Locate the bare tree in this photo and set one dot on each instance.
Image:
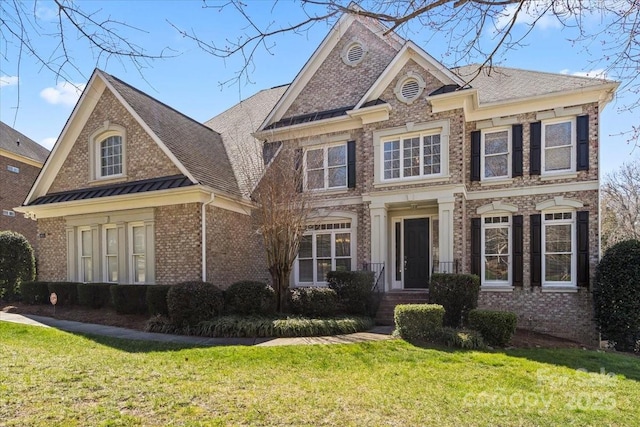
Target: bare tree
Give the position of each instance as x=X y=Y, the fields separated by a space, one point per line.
x=621 y=205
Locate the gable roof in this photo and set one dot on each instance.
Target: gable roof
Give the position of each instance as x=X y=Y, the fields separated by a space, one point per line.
x=197 y=147
x=500 y=84
x=9 y=138
x=236 y=126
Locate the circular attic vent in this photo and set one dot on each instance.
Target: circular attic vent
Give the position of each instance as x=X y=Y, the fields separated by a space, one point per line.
x=409 y=88
x=353 y=53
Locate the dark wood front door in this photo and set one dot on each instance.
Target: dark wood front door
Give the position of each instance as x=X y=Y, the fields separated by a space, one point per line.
x=416 y=253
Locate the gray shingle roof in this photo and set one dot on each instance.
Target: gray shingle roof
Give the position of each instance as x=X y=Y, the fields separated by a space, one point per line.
x=236 y=125
x=503 y=84
x=196 y=146
x=27 y=148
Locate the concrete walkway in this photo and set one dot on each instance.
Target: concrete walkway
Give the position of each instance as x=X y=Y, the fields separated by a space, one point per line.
x=376 y=334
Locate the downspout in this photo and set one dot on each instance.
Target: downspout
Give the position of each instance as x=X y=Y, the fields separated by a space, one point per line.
x=204 y=236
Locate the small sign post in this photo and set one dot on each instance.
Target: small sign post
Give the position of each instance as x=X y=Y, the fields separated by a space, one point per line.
x=54 y=300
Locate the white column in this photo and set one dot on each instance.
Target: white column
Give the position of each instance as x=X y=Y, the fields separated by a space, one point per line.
x=379 y=245
x=445 y=216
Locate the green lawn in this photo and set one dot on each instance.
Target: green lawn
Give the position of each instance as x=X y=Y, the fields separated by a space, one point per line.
x=49 y=378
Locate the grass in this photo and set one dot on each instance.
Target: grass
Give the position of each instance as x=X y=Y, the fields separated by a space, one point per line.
x=48 y=377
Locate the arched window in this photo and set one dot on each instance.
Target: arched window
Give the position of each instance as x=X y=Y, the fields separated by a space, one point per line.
x=108 y=152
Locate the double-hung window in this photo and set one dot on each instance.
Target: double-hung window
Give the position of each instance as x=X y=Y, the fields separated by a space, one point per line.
x=417 y=155
x=558 y=237
x=110 y=254
x=558 y=145
x=138 y=251
x=324 y=248
x=85 y=243
x=496 y=250
x=326 y=167
x=496 y=161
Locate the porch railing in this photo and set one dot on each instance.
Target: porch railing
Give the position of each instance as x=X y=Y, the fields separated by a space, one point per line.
x=378 y=278
x=449 y=267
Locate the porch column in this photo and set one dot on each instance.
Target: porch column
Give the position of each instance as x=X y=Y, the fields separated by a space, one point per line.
x=445 y=229
x=378 y=233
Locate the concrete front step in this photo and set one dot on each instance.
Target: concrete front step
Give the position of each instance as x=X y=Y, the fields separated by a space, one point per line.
x=384 y=316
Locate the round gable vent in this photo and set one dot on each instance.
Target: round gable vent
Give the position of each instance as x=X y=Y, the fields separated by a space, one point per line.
x=409 y=88
x=353 y=53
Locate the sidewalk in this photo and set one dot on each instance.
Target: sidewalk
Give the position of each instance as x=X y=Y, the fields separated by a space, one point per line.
x=376 y=334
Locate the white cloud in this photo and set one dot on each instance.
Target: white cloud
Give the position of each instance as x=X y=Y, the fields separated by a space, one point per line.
x=8 y=80
x=598 y=73
x=48 y=142
x=64 y=93
x=528 y=17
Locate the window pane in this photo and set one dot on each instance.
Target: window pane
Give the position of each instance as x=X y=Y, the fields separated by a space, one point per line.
x=112 y=241
x=86 y=243
x=343 y=264
x=343 y=244
x=557 y=159
x=558 y=267
x=111 y=156
x=392 y=159
x=138 y=240
x=305 y=270
x=87 y=270
x=496 y=268
x=112 y=269
x=306 y=249
x=315 y=179
x=496 y=142
x=323 y=245
x=337 y=156
x=315 y=159
x=496 y=241
x=557 y=134
x=139 y=268
x=324 y=266
x=411 y=156
x=558 y=238
x=338 y=177
x=495 y=166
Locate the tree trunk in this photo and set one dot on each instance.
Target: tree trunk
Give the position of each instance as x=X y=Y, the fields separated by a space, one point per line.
x=280 y=278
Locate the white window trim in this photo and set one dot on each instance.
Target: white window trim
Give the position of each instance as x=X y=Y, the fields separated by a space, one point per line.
x=131 y=255
x=508 y=153
x=345 y=52
x=325 y=167
x=107 y=130
x=81 y=270
x=105 y=255
x=411 y=75
x=509 y=226
x=401 y=138
x=574 y=245
x=572 y=160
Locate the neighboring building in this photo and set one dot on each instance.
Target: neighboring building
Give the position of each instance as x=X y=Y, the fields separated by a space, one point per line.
x=413 y=167
x=21 y=159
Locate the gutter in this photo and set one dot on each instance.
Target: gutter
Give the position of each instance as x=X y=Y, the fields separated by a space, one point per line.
x=204 y=236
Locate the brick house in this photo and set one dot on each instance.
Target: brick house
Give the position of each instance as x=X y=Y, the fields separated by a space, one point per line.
x=21 y=159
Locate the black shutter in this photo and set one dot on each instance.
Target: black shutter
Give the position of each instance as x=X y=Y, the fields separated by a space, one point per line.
x=298 y=156
x=535 y=130
x=517 y=242
x=475 y=155
x=351 y=164
x=582 y=148
x=583 y=248
x=536 y=250
x=516 y=153
x=476 y=241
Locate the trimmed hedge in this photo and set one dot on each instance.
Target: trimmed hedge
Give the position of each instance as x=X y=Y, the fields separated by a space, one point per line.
x=457 y=293
x=34 y=292
x=354 y=290
x=129 y=299
x=496 y=327
x=94 y=295
x=157 y=299
x=249 y=297
x=192 y=302
x=418 y=321
x=313 y=302
x=67 y=292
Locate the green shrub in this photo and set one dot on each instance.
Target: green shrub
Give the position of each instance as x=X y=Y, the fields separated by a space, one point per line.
x=157 y=299
x=67 y=292
x=129 y=299
x=616 y=295
x=354 y=290
x=34 y=292
x=94 y=295
x=17 y=263
x=249 y=297
x=461 y=338
x=496 y=327
x=418 y=321
x=193 y=302
x=313 y=302
x=457 y=293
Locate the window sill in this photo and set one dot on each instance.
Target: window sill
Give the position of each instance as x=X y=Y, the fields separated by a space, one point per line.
x=411 y=181
x=496 y=288
x=109 y=180
x=564 y=175
x=555 y=288
x=328 y=191
x=496 y=182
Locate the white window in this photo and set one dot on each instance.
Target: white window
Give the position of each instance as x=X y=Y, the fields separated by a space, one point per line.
x=110 y=156
x=496 y=250
x=417 y=155
x=558 y=143
x=85 y=245
x=496 y=162
x=324 y=248
x=7 y=212
x=138 y=251
x=558 y=237
x=107 y=148
x=326 y=167
x=110 y=254
x=13 y=169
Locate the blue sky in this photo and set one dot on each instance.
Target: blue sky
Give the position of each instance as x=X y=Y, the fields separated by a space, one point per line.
x=190 y=80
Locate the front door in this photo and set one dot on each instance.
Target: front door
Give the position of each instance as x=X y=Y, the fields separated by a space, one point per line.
x=416 y=253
